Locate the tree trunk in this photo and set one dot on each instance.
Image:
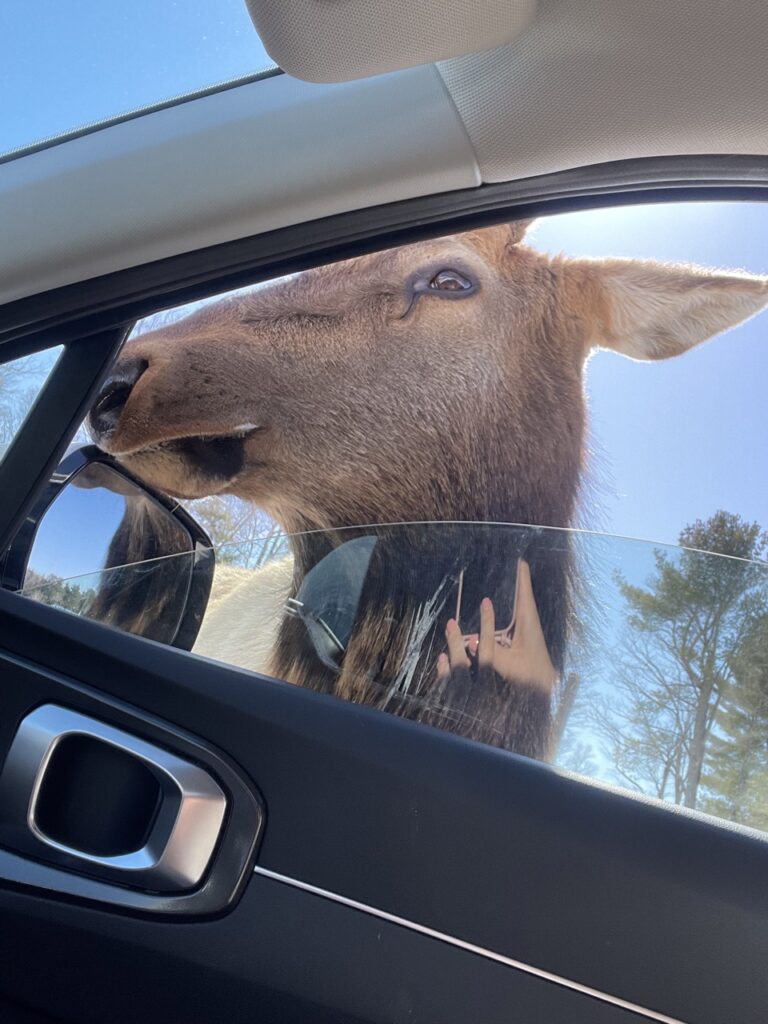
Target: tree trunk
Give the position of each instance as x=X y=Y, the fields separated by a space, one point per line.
x=563 y=711
x=696 y=755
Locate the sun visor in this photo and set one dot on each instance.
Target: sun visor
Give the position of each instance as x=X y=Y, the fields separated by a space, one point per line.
x=339 y=40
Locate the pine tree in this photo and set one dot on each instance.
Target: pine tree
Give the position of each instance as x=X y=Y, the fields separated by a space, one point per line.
x=689 y=677
x=736 y=770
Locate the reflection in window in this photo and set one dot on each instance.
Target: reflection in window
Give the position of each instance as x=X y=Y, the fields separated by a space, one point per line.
x=664 y=691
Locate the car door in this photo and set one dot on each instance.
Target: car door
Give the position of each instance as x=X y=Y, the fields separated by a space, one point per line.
x=365 y=868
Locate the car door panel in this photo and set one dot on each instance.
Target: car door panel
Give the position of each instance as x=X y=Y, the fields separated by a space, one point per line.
x=280 y=956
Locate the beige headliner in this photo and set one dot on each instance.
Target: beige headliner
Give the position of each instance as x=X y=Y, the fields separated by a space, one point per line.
x=591 y=81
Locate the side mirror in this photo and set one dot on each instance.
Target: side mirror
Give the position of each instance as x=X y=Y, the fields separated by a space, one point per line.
x=104 y=545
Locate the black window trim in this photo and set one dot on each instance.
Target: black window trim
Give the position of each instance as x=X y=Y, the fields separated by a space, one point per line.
x=120 y=298
x=57 y=412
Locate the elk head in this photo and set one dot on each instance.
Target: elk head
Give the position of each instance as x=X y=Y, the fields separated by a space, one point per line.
x=436 y=380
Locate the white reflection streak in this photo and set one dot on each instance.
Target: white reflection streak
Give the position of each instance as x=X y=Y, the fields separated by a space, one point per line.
x=422 y=623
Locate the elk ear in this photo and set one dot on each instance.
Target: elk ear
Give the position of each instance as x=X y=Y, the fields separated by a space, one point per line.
x=648 y=310
x=495 y=241
x=518 y=230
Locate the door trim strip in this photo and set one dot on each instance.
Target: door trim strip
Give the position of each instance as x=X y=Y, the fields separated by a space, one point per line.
x=471 y=947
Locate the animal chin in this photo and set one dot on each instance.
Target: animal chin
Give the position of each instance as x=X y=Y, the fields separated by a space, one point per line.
x=220 y=458
x=193 y=466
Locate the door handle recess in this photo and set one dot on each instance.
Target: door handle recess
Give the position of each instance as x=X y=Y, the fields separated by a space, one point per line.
x=123 y=809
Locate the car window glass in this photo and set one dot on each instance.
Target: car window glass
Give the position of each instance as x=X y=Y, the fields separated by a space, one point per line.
x=21 y=381
x=663 y=691
x=419 y=467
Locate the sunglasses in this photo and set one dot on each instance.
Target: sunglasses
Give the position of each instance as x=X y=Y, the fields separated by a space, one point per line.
x=329 y=596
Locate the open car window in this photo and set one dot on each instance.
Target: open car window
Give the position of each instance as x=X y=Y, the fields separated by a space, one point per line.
x=391 y=456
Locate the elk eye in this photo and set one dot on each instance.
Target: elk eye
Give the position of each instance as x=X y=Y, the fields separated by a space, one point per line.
x=450 y=281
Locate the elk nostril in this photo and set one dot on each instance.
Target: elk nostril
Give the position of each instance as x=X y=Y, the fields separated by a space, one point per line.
x=112 y=401
x=114 y=394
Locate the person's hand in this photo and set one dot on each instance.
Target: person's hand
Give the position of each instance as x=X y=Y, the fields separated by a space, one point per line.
x=522 y=659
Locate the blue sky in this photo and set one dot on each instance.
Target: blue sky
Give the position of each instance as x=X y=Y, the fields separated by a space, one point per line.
x=98 y=508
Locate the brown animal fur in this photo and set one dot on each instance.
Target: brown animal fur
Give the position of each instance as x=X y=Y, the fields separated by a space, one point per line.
x=374 y=403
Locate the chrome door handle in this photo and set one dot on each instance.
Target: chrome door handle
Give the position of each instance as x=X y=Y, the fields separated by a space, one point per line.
x=182 y=826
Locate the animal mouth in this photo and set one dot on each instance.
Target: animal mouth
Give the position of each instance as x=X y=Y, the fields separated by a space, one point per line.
x=215 y=456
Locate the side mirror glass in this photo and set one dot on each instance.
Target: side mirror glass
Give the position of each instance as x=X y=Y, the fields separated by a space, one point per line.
x=103 y=545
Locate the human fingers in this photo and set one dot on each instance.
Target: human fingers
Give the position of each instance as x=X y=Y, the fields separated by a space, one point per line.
x=487 y=646
x=529 y=656
x=456 y=650
x=443 y=668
